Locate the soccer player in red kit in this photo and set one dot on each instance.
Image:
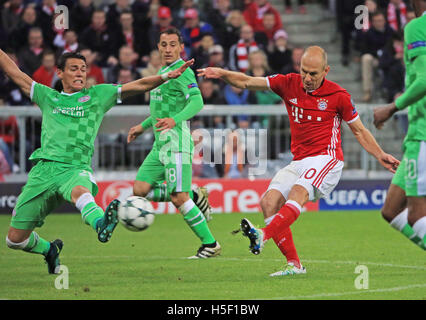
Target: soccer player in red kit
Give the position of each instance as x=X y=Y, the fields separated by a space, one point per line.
x=316 y=108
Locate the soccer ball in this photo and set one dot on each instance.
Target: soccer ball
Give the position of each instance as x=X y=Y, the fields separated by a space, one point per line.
x=136 y=213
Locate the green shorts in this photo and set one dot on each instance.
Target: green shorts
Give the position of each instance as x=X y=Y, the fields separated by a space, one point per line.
x=411 y=173
x=175 y=168
x=49 y=184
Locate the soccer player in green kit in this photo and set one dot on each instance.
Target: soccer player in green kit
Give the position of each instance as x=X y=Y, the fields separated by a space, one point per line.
x=170 y=160
x=405 y=205
x=62 y=171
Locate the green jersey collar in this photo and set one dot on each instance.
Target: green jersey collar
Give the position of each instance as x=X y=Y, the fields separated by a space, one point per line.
x=171 y=65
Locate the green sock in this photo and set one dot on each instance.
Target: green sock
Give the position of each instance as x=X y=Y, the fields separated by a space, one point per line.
x=36 y=244
x=410 y=234
x=91 y=214
x=159 y=193
x=196 y=221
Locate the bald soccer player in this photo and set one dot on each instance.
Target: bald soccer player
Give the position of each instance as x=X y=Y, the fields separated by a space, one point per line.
x=405 y=205
x=316 y=108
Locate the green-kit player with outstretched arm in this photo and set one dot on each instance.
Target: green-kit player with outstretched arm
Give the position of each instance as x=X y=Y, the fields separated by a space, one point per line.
x=170 y=160
x=62 y=171
x=405 y=206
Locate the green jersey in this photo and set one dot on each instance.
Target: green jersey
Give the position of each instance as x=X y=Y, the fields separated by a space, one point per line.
x=415 y=46
x=168 y=101
x=70 y=122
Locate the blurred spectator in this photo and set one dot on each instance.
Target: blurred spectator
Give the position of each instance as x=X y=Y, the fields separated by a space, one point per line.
x=396 y=14
x=269 y=29
x=254 y=15
x=92 y=69
x=391 y=62
x=133 y=37
x=232 y=29
x=345 y=11
x=98 y=37
x=238 y=54
x=19 y=35
x=296 y=58
x=81 y=15
x=410 y=15
x=46 y=74
x=11 y=14
x=164 y=22
x=201 y=54
x=217 y=13
x=280 y=56
x=10 y=93
x=237 y=96
x=360 y=33
x=30 y=56
x=234 y=166
x=70 y=42
x=180 y=12
x=114 y=11
x=216 y=57
x=126 y=60
x=210 y=93
x=193 y=30
x=45 y=16
x=152 y=68
x=374 y=40
x=258 y=67
x=289 y=9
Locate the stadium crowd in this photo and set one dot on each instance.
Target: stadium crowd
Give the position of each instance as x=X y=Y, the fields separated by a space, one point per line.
x=119 y=38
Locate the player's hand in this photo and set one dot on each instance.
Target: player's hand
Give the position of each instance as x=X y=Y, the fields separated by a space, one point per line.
x=388 y=162
x=178 y=72
x=165 y=124
x=209 y=73
x=134 y=132
x=382 y=114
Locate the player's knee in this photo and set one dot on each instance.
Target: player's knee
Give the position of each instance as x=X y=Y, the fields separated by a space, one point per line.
x=141 y=190
x=16 y=245
x=179 y=198
x=387 y=215
x=268 y=204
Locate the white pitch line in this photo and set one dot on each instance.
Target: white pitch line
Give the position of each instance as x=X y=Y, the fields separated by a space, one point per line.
x=337 y=294
x=379 y=264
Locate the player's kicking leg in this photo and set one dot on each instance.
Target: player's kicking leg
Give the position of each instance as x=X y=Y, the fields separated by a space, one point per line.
x=102 y=222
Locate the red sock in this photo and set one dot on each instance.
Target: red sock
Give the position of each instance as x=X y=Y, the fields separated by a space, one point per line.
x=284 y=241
x=282 y=220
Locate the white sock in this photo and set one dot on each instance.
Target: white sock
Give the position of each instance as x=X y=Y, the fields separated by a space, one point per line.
x=420 y=228
x=401 y=220
x=268 y=220
x=187 y=206
x=84 y=200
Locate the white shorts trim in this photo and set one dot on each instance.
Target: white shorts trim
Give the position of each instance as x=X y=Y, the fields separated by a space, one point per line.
x=319 y=175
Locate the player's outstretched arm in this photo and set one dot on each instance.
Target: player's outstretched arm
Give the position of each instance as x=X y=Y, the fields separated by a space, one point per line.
x=415 y=92
x=148 y=83
x=9 y=67
x=236 y=79
x=369 y=143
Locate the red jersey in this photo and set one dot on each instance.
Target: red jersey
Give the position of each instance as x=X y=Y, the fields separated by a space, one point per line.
x=315 y=117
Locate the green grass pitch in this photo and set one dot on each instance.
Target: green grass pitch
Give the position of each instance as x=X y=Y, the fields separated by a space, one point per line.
x=152 y=265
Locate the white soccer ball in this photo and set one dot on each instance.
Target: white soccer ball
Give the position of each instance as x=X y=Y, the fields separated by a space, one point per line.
x=136 y=213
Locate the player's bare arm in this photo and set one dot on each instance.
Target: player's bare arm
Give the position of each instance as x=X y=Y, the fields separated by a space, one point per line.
x=21 y=79
x=236 y=79
x=149 y=83
x=369 y=143
x=413 y=94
